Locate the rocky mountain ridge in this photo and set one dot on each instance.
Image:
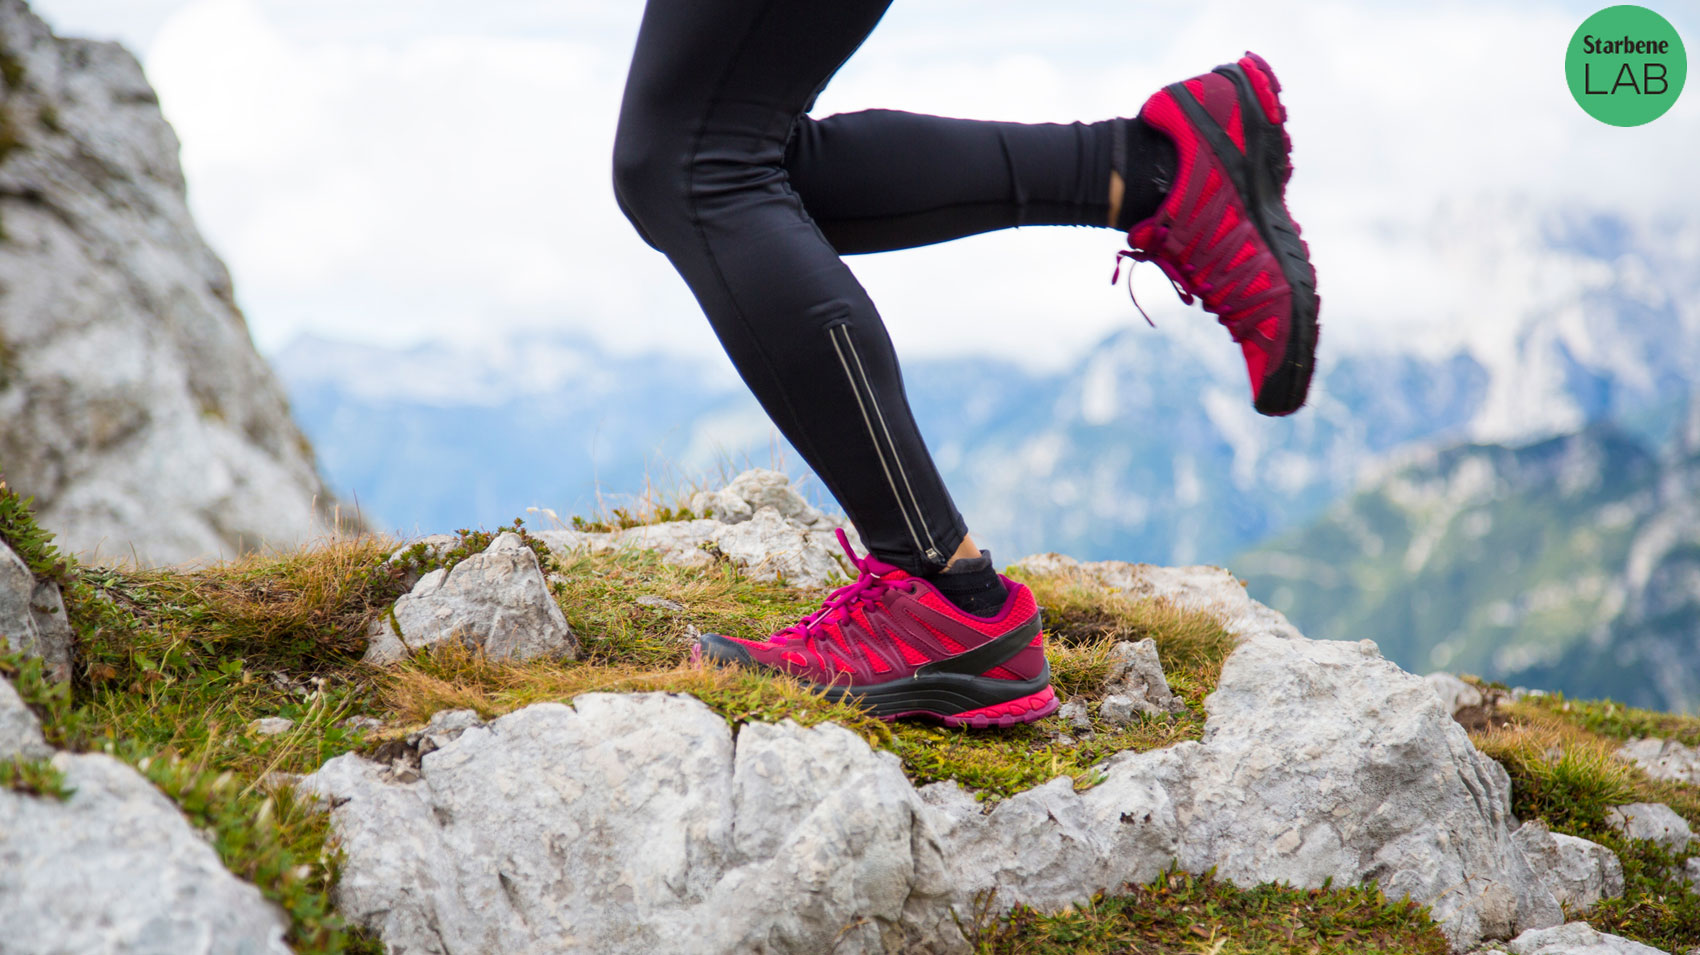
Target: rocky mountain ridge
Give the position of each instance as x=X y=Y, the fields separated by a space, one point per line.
x=137 y=412
x=617 y=822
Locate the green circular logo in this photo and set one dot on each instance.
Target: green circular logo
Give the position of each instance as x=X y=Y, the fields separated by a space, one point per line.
x=1625 y=65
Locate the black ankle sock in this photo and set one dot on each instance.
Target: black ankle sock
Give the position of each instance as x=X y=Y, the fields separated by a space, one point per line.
x=972 y=584
x=1145 y=157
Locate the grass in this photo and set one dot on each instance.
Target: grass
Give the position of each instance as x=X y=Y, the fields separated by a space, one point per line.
x=1559 y=754
x=1181 y=913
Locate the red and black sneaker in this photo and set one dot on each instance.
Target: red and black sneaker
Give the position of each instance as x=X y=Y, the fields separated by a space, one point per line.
x=1223 y=233
x=896 y=646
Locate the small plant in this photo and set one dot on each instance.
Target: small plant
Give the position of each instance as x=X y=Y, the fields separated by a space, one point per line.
x=19 y=531
x=34 y=777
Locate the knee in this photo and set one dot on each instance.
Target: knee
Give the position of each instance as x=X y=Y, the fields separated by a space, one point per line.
x=647 y=187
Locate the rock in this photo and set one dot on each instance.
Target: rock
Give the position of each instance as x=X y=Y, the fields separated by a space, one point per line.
x=631 y=823
x=1651 y=820
x=1663 y=758
x=1209 y=589
x=1578 y=872
x=1575 y=938
x=1454 y=693
x=781 y=536
x=1074 y=712
x=721 y=505
x=270 y=726
x=444 y=727
x=1691 y=869
x=1118 y=710
x=138 y=413
x=117 y=869
x=1136 y=674
x=32 y=616
x=1320 y=761
x=20 y=731
x=660 y=603
x=432 y=547
x=761 y=487
x=363 y=724
x=496 y=601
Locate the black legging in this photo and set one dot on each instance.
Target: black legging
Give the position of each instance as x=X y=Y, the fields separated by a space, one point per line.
x=718 y=167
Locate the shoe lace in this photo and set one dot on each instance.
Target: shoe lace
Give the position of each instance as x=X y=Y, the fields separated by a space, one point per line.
x=874 y=578
x=1190 y=288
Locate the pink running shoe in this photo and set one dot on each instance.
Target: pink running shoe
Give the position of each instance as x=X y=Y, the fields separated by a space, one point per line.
x=892 y=643
x=1223 y=233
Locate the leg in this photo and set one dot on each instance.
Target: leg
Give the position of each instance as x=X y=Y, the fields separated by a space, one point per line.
x=880 y=180
x=714 y=92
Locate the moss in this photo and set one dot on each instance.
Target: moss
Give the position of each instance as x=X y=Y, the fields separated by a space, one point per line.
x=11 y=71
x=1181 y=913
x=19 y=531
x=49 y=116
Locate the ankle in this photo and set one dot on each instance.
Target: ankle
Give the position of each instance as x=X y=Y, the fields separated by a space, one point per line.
x=972 y=584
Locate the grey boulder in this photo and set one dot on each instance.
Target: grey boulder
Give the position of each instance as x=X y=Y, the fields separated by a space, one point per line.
x=636 y=824
x=1576 y=938
x=759 y=522
x=1136 y=683
x=20 y=731
x=497 y=601
x=32 y=616
x=1578 y=872
x=1663 y=758
x=117 y=869
x=1454 y=693
x=1651 y=820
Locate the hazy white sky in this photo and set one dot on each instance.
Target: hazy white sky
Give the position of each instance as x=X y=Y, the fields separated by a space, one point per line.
x=398 y=170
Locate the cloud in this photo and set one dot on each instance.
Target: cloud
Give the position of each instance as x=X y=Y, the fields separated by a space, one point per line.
x=424 y=171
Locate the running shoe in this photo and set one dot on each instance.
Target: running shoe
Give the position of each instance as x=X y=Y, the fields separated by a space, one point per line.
x=890 y=642
x=1223 y=233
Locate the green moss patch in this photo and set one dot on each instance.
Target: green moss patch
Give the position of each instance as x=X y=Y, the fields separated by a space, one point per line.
x=1180 y=913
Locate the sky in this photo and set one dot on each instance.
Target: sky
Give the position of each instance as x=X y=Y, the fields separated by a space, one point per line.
x=401 y=171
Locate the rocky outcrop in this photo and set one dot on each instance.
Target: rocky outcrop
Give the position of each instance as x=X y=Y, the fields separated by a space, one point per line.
x=1576 y=871
x=1573 y=938
x=114 y=868
x=1651 y=820
x=137 y=412
x=1664 y=759
x=638 y=823
x=1136 y=685
x=32 y=616
x=20 y=733
x=759 y=522
x=496 y=601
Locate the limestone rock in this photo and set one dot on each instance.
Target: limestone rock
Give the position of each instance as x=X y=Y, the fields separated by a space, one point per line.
x=633 y=824
x=497 y=601
x=1651 y=820
x=759 y=522
x=1137 y=676
x=1664 y=758
x=1575 y=938
x=117 y=869
x=270 y=726
x=32 y=616
x=20 y=731
x=721 y=505
x=1075 y=714
x=138 y=413
x=1454 y=693
x=1578 y=872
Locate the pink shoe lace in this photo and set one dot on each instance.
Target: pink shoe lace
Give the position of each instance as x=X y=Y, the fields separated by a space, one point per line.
x=874 y=577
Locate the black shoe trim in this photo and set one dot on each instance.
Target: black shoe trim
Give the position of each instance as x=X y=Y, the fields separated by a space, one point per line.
x=941 y=694
x=1259 y=182
x=719 y=649
x=992 y=653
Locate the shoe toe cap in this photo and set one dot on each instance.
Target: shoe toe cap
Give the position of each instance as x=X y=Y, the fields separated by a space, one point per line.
x=724 y=651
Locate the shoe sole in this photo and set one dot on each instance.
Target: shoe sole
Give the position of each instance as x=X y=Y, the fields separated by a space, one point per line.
x=954 y=699
x=1262 y=188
